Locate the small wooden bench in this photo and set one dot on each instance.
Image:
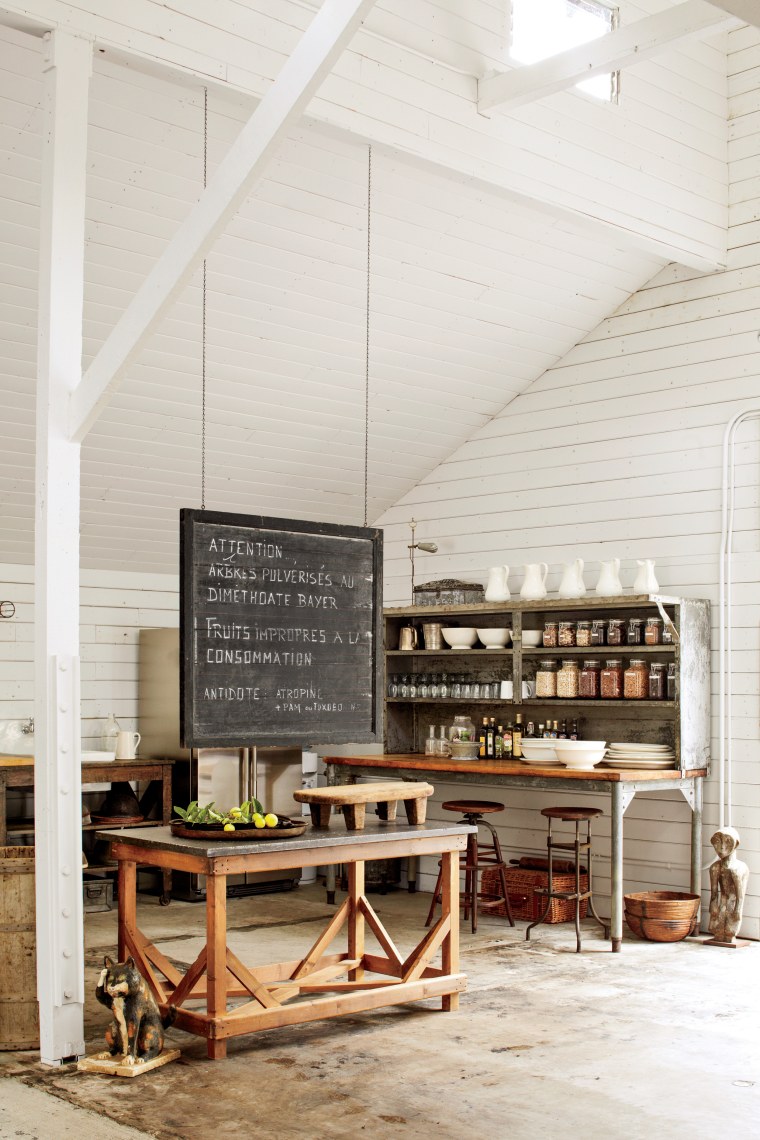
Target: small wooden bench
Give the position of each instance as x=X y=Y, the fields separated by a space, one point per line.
x=352 y=799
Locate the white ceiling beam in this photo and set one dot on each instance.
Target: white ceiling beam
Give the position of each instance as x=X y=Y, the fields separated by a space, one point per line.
x=243 y=165
x=748 y=11
x=650 y=36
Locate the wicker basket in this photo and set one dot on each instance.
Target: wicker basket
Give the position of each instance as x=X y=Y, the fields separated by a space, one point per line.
x=525 y=903
x=661 y=916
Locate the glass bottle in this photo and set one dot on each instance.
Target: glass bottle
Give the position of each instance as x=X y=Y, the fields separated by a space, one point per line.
x=431 y=744
x=636 y=680
x=442 y=743
x=611 y=680
x=517 y=738
x=444 y=686
x=423 y=687
x=506 y=744
x=567 y=679
x=111 y=730
x=412 y=686
x=483 y=739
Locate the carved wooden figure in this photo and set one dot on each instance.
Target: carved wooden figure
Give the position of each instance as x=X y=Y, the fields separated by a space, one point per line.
x=136 y=1033
x=728 y=885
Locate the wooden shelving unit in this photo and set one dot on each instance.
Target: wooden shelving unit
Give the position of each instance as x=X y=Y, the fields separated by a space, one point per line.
x=683 y=722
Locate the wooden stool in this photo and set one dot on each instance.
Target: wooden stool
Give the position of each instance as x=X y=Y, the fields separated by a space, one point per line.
x=477 y=856
x=576 y=815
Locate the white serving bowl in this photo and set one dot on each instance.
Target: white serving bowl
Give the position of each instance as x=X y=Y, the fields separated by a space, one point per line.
x=539 y=749
x=581 y=745
x=495 y=638
x=531 y=638
x=98 y=757
x=577 y=757
x=460 y=637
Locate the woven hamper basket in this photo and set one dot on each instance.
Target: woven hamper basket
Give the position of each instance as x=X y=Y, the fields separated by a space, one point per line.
x=526 y=904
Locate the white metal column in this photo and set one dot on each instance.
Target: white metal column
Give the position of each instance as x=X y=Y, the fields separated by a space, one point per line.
x=57 y=774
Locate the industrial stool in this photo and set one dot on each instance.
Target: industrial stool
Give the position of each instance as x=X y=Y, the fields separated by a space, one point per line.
x=576 y=816
x=477 y=856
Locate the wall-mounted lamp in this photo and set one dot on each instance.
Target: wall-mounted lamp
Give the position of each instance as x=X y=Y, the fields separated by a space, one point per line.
x=428 y=547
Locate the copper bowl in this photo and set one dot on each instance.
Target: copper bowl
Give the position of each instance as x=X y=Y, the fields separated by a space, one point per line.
x=661 y=916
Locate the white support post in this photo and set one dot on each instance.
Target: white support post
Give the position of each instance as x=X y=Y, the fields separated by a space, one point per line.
x=57 y=772
x=301 y=76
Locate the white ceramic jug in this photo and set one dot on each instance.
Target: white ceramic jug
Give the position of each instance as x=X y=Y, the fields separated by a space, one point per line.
x=609 y=584
x=497 y=589
x=572 y=585
x=645 y=583
x=534 y=584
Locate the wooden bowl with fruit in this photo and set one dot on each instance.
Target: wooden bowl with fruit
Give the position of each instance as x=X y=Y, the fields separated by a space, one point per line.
x=249 y=821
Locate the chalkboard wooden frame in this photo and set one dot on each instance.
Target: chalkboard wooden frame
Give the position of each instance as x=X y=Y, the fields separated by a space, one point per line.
x=298 y=724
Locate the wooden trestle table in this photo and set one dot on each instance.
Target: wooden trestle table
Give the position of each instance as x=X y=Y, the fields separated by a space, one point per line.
x=620 y=786
x=319 y=984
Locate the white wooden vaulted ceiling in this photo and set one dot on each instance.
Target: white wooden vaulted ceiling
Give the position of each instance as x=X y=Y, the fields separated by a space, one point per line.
x=473 y=296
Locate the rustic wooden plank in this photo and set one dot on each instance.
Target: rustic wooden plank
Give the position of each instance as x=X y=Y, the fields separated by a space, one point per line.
x=186 y=984
x=326 y=937
x=450 y=908
x=379 y=931
x=363 y=793
x=356 y=917
x=422 y=954
x=253 y=984
x=216 y=949
x=284 y=993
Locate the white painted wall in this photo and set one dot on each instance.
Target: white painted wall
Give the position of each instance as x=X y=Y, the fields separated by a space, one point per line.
x=617 y=451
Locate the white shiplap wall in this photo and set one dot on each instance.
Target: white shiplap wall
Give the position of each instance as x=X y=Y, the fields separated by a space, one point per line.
x=616 y=451
x=114 y=608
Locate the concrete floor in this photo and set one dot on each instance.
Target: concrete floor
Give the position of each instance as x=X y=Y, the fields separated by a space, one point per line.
x=660 y=1041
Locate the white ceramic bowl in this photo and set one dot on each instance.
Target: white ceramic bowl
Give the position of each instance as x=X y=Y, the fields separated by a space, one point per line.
x=465 y=749
x=582 y=745
x=577 y=757
x=494 y=638
x=539 y=749
x=98 y=757
x=531 y=638
x=460 y=637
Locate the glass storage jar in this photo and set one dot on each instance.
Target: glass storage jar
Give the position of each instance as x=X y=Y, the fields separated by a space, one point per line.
x=566 y=636
x=589 y=680
x=653 y=631
x=599 y=632
x=611 y=680
x=551 y=635
x=635 y=634
x=657 y=681
x=670 y=687
x=462 y=729
x=636 y=680
x=615 y=631
x=567 y=679
x=546 y=679
x=583 y=633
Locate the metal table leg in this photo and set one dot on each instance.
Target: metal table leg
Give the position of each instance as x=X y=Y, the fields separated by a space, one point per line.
x=696 y=847
x=330 y=869
x=616 y=868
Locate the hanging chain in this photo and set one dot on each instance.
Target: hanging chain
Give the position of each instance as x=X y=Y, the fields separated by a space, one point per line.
x=203 y=316
x=366 y=331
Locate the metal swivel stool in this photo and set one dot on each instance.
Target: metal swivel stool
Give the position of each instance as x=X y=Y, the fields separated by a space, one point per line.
x=576 y=815
x=472 y=861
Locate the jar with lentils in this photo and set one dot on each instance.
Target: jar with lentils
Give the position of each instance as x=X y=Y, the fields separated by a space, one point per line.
x=657 y=681
x=546 y=679
x=616 y=631
x=611 y=680
x=568 y=679
x=599 y=632
x=635 y=631
x=653 y=631
x=583 y=633
x=589 y=680
x=636 y=680
x=551 y=634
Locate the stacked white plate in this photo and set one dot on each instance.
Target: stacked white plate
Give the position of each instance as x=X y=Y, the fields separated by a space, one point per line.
x=623 y=755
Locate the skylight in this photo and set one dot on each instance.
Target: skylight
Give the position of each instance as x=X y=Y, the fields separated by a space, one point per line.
x=542 y=28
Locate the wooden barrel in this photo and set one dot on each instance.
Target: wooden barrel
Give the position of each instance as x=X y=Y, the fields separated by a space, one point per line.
x=19 y=1013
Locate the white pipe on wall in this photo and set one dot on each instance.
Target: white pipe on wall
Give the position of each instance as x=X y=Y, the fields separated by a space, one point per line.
x=725 y=620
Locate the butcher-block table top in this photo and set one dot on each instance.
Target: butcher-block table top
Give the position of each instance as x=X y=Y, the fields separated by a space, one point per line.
x=390 y=760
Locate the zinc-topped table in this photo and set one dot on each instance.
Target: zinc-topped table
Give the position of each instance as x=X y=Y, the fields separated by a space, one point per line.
x=287 y=993
x=620 y=786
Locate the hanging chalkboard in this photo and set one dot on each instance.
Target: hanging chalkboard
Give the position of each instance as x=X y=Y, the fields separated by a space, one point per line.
x=279 y=631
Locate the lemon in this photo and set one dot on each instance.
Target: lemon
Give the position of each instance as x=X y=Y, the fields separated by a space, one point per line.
x=258 y=820
x=271 y=819
x=235 y=812
x=229 y=827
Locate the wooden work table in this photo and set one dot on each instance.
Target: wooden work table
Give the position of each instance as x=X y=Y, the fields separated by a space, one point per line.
x=620 y=786
x=319 y=984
